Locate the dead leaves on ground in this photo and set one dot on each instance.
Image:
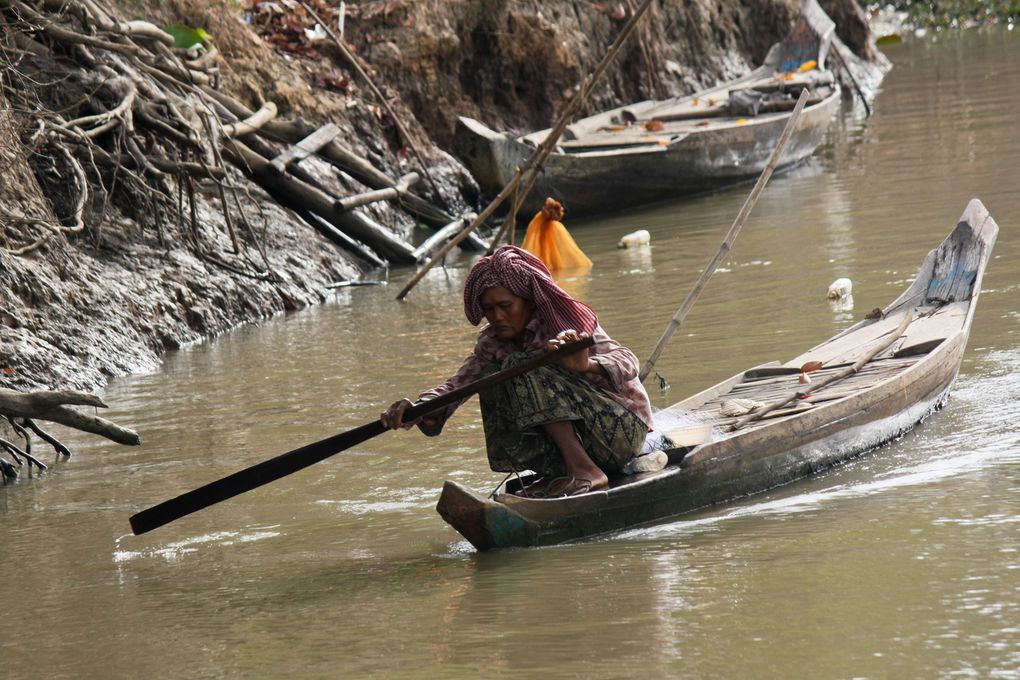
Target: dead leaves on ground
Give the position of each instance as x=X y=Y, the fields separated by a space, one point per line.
x=288 y=26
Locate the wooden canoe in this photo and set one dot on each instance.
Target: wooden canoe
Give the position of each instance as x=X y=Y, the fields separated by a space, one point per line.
x=877 y=380
x=646 y=152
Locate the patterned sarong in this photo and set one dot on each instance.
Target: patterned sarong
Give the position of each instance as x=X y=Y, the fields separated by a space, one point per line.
x=513 y=413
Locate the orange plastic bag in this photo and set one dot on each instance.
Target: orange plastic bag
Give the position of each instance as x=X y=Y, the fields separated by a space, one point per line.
x=548 y=240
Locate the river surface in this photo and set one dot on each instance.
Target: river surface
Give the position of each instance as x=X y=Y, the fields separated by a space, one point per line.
x=902 y=564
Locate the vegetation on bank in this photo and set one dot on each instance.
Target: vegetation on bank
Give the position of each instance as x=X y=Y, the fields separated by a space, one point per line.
x=953 y=14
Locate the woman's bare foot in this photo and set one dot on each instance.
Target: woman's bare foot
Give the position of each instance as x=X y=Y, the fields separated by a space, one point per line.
x=579 y=464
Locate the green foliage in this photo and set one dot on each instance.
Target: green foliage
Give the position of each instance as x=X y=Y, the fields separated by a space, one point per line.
x=187 y=38
x=958 y=13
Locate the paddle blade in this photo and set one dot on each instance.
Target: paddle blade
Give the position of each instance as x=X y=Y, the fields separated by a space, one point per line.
x=298 y=459
x=250 y=478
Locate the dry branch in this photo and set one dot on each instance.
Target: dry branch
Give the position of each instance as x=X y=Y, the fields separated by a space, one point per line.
x=54 y=406
x=143 y=29
x=252 y=123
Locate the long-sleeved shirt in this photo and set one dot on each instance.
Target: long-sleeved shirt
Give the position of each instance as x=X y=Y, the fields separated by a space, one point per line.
x=618 y=377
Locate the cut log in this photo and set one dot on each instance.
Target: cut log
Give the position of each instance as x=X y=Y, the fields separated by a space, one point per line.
x=438 y=239
x=341 y=239
x=305 y=148
x=397 y=191
x=298 y=194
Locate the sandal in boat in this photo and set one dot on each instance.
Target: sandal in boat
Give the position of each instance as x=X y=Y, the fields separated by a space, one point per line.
x=535 y=488
x=563 y=487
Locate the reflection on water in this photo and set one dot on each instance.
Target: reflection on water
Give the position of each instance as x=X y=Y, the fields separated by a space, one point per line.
x=902 y=564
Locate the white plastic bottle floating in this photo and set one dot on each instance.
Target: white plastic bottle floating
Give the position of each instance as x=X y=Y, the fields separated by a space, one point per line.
x=641 y=237
x=840 y=288
x=842 y=305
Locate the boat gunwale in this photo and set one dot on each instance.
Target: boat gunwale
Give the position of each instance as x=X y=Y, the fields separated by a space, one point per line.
x=522 y=150
x=736 y=441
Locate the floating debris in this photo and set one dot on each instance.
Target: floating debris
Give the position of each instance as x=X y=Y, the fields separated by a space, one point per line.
x=840 y=288
x=641 y=237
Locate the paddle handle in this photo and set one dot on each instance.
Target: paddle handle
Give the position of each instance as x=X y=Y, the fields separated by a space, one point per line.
x=298 y=459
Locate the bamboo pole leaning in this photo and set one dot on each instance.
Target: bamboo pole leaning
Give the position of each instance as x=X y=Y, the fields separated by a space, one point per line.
x=356 y=64
x=534 y=162
x=727 y=243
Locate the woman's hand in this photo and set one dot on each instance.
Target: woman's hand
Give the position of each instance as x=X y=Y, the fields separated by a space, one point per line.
x=393 y=417
x=577 y=362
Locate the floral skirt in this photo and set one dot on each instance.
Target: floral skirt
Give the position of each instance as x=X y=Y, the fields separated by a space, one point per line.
x=514 y=411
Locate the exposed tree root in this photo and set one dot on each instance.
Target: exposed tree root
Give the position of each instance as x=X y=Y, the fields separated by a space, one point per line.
x=117 y=107
x=112 y=113
x=21 y=409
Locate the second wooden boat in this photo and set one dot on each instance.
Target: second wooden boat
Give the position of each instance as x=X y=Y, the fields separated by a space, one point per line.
x=653 y=150
x=869 y=384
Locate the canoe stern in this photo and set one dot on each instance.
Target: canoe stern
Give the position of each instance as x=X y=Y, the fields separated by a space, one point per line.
x=483 y=522
x=483 y=151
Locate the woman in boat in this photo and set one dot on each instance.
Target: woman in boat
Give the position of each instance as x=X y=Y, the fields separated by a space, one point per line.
x=548 y=240
x=574 y=422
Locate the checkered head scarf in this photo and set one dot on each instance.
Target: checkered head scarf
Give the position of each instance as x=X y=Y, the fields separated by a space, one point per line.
x=525 y=276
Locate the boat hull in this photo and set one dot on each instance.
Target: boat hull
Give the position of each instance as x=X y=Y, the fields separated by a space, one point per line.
x=878 y=379
x=606 y=181
x=745 y=465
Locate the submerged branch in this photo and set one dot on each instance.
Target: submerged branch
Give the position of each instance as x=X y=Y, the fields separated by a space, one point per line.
x=54 y=406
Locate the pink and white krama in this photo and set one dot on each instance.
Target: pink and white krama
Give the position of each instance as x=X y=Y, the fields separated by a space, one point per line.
x=527 y=277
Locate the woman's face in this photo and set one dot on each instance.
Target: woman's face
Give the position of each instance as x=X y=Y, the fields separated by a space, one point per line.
x=507 y=313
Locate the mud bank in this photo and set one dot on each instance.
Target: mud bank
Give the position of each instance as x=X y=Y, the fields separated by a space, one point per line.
x=111 y=298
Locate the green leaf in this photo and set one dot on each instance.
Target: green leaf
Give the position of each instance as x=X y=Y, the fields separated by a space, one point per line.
x=186 y=37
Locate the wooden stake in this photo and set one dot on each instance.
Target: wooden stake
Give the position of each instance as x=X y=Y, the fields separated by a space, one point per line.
x=853 y=80
x=731 y=236
x=534 y=162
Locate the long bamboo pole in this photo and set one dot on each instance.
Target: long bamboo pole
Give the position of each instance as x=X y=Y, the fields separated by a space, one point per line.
x=352 y=59
x=731 y=236
x=534 y=162
x=846 y=372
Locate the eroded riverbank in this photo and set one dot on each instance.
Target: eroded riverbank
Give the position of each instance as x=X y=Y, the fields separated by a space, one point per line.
x=139 y=279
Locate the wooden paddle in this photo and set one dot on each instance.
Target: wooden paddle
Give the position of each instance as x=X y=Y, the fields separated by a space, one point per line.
x=298 y=459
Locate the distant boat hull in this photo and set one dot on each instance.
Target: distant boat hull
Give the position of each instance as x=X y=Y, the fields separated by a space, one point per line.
x=605 y=181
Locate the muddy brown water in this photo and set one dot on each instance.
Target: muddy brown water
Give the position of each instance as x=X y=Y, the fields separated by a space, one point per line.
x=903 y=563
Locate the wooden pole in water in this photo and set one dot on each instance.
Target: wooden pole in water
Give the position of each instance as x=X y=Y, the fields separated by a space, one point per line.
x=853 y=79
x=731 y=236
x=534 y=162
